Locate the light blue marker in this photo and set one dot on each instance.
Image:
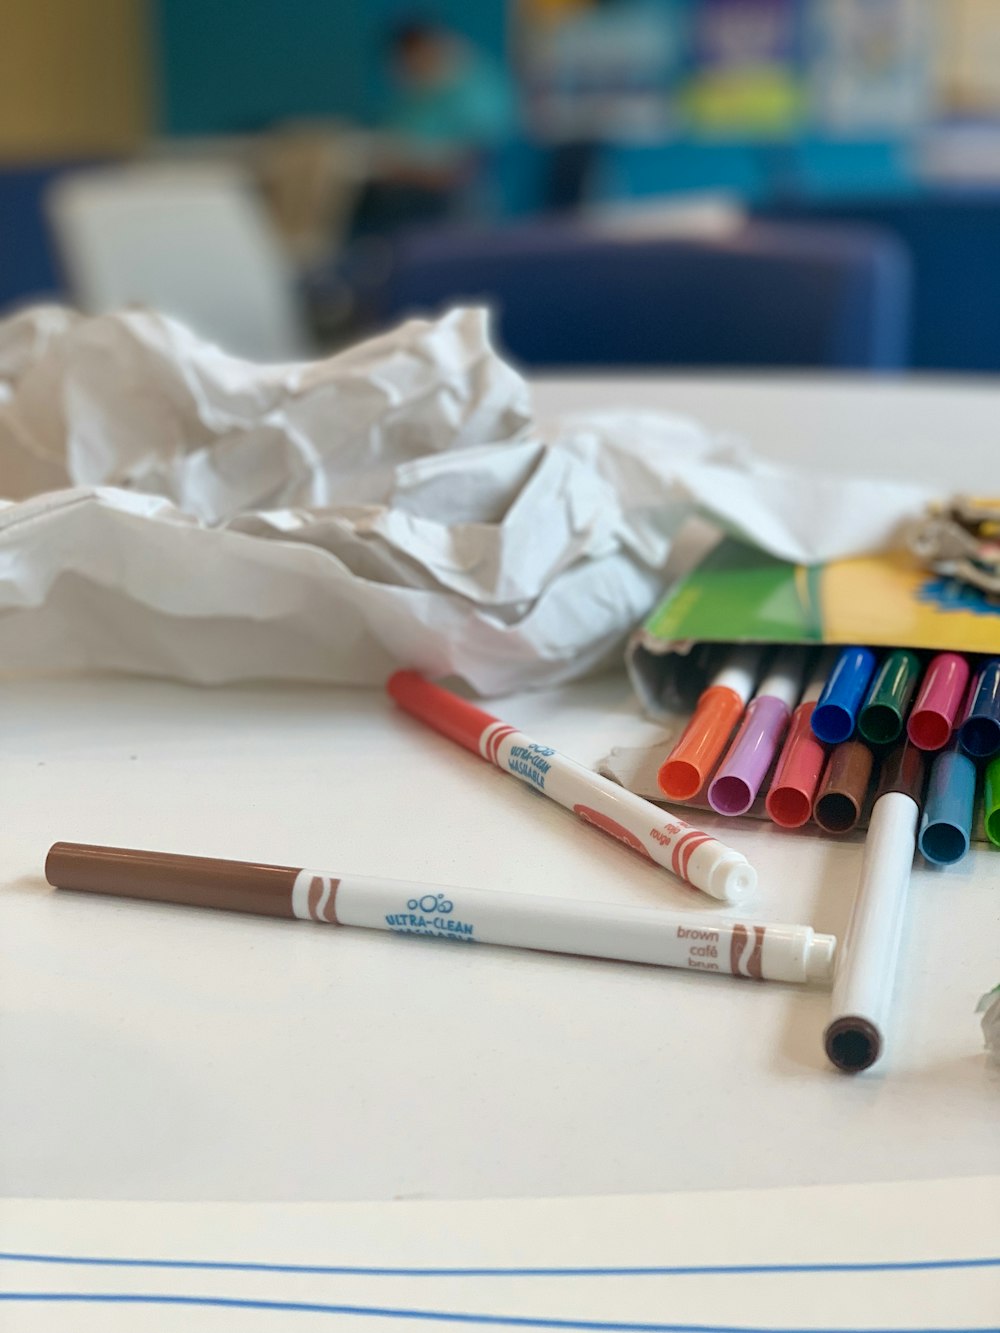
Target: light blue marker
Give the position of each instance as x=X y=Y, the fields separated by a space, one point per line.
x=946 y=824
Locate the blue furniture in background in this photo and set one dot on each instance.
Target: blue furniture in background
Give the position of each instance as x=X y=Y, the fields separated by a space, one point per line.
x=29 y=269
x=953 y=241
x=567 y=294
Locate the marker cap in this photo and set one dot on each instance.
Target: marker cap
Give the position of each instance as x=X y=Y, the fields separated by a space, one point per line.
x=991 y=801
x=790 y=799
x=686 y=768
x=844 y=787
x=881 y=719
x=979 y=734
x=735 y=786
x=946 y=824
x=835 y=713
x=938 y=704
x=453 y=717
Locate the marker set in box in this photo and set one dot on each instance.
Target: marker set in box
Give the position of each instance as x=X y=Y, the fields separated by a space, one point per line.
x=799 y=679
x=810 y=729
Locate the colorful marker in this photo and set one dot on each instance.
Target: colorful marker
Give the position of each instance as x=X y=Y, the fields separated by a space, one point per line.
x=837 y=709
x=688 y=765
x=555 y=925
x=866 y=965
x=735 y=786
x=938 y=704
x=843 y=790
x=883 y=713
x=946 y=824
x=979 y=734
x=692 y=855
x=790 y=799
x=991 y=801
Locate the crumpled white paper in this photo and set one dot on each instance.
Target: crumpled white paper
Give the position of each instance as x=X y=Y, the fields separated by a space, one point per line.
x=177 y=511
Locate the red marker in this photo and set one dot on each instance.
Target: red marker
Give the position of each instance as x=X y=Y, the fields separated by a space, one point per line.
x=793 y=788
x=936 y=711
x=690 y=854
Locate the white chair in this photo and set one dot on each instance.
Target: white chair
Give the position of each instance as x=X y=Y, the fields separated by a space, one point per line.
x=192 y=241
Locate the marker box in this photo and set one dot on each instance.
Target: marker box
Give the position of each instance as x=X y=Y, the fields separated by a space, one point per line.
x=901 y=655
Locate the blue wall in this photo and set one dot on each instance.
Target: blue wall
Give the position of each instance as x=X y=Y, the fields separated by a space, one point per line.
x=227 y=66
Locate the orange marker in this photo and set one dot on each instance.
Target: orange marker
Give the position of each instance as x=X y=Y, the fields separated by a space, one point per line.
x=690 y=763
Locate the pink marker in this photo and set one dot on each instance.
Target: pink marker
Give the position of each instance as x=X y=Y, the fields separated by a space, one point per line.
x=734 y=788
x=790 y=800
x=692 y=855
x=932 y=718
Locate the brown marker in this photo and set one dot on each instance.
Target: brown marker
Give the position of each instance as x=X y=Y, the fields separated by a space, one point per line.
x=703 y=943
x=843 y=788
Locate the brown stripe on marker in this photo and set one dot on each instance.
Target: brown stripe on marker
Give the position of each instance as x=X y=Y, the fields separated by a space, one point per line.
x=753 y=962
x=315 y=894
x=317 y=887
x=329 y=912
x=736 y=947
x=193 y=881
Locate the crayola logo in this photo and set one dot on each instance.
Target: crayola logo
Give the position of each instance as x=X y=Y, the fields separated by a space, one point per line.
x=321 y=899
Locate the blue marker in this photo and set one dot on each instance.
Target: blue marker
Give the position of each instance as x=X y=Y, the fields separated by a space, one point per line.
x=946 y=824
x=843 y=694
x=979 y=734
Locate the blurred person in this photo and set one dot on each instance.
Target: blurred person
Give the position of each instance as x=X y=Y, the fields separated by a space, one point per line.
x=451 y=109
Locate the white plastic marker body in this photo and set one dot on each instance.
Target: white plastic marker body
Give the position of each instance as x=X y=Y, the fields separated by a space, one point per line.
x=701 y=943
x=866 y=967
x=689 y=853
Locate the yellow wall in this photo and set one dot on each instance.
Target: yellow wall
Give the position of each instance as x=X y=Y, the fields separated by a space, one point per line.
x=969 y=56
x=73 y=77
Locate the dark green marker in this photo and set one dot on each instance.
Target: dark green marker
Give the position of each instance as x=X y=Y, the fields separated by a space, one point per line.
x=884 y=711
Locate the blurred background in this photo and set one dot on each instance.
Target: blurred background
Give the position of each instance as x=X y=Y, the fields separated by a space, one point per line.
x=641 y=182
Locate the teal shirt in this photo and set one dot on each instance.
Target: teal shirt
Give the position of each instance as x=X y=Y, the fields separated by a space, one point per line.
x=473 y=109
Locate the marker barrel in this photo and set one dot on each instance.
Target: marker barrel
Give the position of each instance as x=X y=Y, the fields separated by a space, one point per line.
x=793 y=788
x=862 y=989
x=979 y=734
x=866 y=966
x=555 y=925
x=691 y=855
x=883 y=714
x=939 y=701
x=991 y=801
x=835 y=713
x=843 y=789
x=946 y=824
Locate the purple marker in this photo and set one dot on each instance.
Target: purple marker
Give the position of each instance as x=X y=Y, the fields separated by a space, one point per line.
x=738 y=779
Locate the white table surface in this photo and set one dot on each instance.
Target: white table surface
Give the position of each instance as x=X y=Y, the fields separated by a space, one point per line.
x=156 y=1052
